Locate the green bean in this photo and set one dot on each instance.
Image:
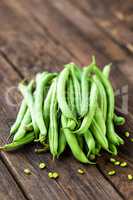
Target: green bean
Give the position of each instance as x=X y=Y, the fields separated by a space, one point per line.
x=80 y=141
x=61 y=94
x=53 y=129
x=62 y=142
x=89 y=139
x=100 y=137
x=73 y=144
x=85 y=89
x=118 y=120
x=106 y=70
x=92 y=108
x=21 y=131
x=113 y=149
x=30 y=102
x=20 y=143
x=77 y=89
x=70 y=95
x=102 y=98
x=47 y=102
x=100 y=120
x=41 y=89
x=21 y=113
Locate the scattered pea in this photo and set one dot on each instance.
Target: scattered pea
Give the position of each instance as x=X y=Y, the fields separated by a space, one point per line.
x=127 y=134
x=111 y=173
x=117 y=163
x=42 y=165
x=50 y=175
x=27 y=171
x=130 y=177
x=131 y=139
x=112 y=160
x=123 y=164
x=81 y=171
x=55 y=175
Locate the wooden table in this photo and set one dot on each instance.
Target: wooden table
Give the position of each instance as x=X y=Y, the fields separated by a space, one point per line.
x=37 y=35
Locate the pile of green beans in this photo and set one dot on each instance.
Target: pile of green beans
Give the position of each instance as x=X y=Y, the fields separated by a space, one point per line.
x=72 y=109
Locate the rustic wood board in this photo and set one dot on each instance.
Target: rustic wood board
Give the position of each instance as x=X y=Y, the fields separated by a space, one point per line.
x=38 y=35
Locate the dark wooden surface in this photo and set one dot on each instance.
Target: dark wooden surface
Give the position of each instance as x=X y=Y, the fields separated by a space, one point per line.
x=36 y=35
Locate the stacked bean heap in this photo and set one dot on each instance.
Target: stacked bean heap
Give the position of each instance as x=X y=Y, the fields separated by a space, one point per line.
x=73 y=108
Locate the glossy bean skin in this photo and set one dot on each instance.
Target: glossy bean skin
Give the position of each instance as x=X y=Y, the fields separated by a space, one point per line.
x=53 y=129
x=92 y=109
x=21 y=113
x=73 y=143
x=61 y=94
x=106 y=70
x=100 y=120
x=47 y=102
x=100 y=137
x=102 y=97
x=21 y=131
x=41 y=89
x=77 y=89
x=61 y=142
x=29 y=98
x=28 y=138
x=89 y=139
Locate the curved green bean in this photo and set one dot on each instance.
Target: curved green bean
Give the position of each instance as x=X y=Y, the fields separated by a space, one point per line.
x=89 y=139
x=118 y=120
x=100 y=120
x=53 y=129
x=61 y=143
x=41 y=89
x=28 y=138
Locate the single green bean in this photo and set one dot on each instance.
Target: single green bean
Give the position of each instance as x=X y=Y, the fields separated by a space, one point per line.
x=102 y=97
x=106 y=70
x=100 y=120
x=77 y=89
x=73 y=143
x=41 y=89
x=20 y=143
x=62 y=142
x=61 y=94
x=30 y=102
x=53 y=130
x=89 y=139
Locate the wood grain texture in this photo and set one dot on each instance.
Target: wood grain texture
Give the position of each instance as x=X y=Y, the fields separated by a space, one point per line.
x=42 y=35
x=9 y=190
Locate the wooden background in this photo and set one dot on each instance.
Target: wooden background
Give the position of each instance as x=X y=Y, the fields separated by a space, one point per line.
x=36 y=35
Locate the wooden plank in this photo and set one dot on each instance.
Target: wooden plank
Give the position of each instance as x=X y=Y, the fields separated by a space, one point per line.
x=110 y=21
x=121 y=56
x=75 y=45
x=48 y=188
x=9 y=190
